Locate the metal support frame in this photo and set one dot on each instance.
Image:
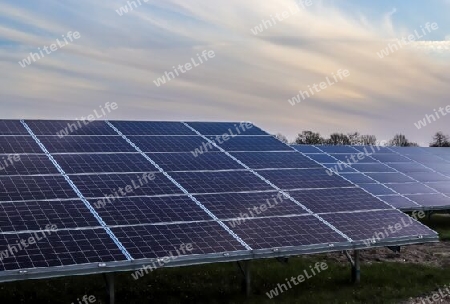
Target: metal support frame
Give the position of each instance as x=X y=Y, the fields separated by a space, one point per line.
x=244 y=266
x=109 y=280
x=356 y=266
x=395 y=249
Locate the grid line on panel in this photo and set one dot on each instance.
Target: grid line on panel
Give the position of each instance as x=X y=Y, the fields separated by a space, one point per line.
x=80 y=195
x=234 y=235
x=426 y=185
x=271 y=184
x=375 y=181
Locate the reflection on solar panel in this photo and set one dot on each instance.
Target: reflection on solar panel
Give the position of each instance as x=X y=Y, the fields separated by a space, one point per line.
x=122 y=194
x=409 y=178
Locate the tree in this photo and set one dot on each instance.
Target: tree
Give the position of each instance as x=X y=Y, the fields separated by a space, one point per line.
x=354 y=138
x=338 y=139
x=309 y=138
x=368 y=140
x=282 y=138
x=400 y=140
x=440 y=140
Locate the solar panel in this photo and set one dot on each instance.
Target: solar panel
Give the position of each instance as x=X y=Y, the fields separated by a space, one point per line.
x=232 y=128
x=191 y=144
x=107 y=163
x=401 y=176
x=26 y=164
x=189 y=162
x=18 y=144
x=205 y=192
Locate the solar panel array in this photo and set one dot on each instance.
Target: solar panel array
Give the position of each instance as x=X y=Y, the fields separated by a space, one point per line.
x=409 y=178
x=121 y=194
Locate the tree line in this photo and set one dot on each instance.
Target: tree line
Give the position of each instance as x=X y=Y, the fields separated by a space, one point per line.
x=355 y=138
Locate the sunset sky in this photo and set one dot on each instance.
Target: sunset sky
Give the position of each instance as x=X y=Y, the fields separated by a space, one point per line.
x=120 y=55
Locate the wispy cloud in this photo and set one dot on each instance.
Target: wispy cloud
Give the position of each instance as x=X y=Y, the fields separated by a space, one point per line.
x=250 y=78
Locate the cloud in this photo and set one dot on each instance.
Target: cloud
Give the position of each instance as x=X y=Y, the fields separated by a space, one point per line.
x=251 y=77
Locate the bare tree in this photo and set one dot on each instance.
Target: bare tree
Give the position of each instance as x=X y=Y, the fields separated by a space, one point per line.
x=440 y=140
x=338 y=139
x=400 y=140
x=282 y=138
x=309 y=138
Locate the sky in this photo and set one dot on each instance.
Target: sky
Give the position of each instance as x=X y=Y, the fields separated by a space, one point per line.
x=249 y=75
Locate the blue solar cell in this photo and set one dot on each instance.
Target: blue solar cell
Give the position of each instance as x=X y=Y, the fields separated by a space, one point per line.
x=340 y=168
x=262 y=160
x=35 y=215
x=364 y=226
x=95 y=163
x=411 y=188
x=322 y=158
x=69 y=127
x=20 y=188
x=337 y=200
x=223 y=181
x=148 y=210
x=60 y=248
x=425 y=158
x=18 y=144
x=247 y=205
x=158 y=241
x=192 y=144
x=386 y=178
x=409 y=167
x=306 y=149
x=358 y=178
x=85 y=144
x=353 y=158
x=377 y=189
x=12 y=127
x=278 y=232
x=26 y=164
x=401 y=202
x=152 y=128
x=231 y=128
x=427 y=177
x=390 y=158
x=371 y=168
x=431 y=200
x=252 y=143
x=337 y=149
x=442 y=187
x=116 y=185
x=373 y=149
x=189 y=162
x=303 y=179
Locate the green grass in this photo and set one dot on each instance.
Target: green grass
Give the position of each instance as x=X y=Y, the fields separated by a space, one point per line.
x=221 y=283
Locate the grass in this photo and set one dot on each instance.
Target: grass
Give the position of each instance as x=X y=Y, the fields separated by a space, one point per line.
x=220 y=283
x=386 y=282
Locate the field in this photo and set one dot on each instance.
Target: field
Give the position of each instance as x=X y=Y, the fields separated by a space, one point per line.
x=385 y=278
